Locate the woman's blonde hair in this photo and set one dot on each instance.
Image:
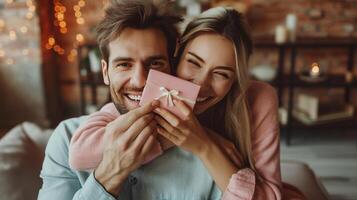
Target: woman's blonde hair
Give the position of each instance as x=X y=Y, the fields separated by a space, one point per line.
x=233 y=109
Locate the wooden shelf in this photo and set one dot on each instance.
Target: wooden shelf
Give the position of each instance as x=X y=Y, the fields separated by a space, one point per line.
x=338 y=124
x=292 y=81
x=87 y=77
x=96 y=79
x=335 y=81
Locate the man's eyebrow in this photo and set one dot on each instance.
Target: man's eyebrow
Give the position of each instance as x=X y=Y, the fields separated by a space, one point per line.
x=128 y=59
x=118 y=59
x=196 y=56
x=157 y=57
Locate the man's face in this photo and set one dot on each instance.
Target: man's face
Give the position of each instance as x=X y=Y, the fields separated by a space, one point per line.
x=131 y=56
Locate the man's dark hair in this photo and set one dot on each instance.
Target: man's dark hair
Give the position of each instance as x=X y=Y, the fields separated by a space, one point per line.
x=138 y=14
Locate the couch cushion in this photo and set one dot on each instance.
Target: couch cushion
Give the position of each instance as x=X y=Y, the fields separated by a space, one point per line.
x=301 y=176
x=21 y=157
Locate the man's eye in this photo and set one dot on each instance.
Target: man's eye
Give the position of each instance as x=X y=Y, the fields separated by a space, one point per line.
x=123 y=65
x=156 y=64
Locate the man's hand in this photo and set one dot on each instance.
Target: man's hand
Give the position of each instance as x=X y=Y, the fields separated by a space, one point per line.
x=127 y=140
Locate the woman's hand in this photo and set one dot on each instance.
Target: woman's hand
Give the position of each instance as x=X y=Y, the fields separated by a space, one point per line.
x=227 y=146
x=191 y=136
x=186 y=133
x=164 y=142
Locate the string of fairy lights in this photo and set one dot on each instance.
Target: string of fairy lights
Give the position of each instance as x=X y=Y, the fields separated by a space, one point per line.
x=14 y=32
x=63 y=14
x=61 y=25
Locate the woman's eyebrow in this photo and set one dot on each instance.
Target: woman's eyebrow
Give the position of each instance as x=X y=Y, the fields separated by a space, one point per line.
x=196 y=56
x=225 y=68
x=218 y=67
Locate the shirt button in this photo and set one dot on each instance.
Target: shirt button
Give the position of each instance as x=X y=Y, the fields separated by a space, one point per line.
x=133 y=180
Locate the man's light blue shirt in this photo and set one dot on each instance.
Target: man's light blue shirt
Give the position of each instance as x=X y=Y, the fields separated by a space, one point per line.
x=175 y=175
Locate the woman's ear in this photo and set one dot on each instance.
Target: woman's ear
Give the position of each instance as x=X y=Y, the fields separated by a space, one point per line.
x=105 y=72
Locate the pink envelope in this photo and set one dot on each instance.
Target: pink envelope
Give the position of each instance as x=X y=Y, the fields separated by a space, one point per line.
x=166 y=88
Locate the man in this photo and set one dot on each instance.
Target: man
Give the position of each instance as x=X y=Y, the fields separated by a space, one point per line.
x=134 y=36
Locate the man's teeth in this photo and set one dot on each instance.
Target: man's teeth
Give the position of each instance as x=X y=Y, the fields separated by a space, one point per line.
x=134 y=97
x=200 y=99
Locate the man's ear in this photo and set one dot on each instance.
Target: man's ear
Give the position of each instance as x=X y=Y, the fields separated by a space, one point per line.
x=105 y=72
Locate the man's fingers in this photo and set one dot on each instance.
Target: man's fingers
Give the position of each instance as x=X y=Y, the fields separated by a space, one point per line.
x=138 y=126
x=140 y=140
x=147 y=146
x=138 y=112
x=125 y=121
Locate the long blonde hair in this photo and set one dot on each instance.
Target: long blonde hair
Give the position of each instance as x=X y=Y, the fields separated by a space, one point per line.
x=234 y=107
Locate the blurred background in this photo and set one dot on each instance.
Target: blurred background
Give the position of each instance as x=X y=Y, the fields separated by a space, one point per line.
x=50 y=71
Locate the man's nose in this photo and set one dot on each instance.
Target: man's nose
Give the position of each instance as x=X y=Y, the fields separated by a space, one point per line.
x=139 y=76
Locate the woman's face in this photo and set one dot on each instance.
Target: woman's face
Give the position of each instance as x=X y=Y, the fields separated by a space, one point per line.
x=209 y=61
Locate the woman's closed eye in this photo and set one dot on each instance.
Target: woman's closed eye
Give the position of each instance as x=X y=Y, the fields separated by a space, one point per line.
x=193 y=62
x=222 y=75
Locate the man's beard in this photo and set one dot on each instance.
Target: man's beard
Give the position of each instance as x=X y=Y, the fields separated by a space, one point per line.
x=118 y=105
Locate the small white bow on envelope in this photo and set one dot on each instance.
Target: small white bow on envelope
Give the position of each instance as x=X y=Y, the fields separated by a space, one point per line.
x=170 y=95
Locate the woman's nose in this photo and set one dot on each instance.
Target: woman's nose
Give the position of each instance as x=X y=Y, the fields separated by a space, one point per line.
x=203 y=80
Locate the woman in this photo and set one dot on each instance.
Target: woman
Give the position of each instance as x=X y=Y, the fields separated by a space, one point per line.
x=236 y=130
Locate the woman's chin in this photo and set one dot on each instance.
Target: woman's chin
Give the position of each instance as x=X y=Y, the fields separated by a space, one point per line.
x=209 y=106
x=199 y=109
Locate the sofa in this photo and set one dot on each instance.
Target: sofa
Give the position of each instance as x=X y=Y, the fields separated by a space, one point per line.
x=22 y=153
